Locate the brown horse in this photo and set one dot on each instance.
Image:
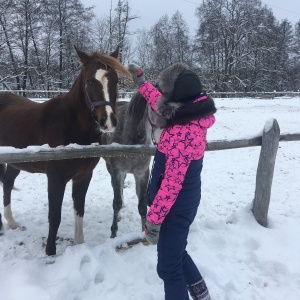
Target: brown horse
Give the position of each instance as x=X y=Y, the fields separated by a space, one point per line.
x=79 y=117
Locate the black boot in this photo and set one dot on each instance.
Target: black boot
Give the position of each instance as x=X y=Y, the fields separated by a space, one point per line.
x=199 y=291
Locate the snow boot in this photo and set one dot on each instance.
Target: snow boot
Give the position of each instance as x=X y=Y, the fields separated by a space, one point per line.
x=199 y=291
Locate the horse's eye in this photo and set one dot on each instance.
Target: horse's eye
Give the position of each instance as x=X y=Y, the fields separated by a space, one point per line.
x=89 y=82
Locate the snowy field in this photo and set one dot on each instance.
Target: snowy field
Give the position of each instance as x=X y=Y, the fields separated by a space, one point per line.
x=239 y=259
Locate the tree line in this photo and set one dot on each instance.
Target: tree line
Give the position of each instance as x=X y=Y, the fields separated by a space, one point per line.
x=238 y=45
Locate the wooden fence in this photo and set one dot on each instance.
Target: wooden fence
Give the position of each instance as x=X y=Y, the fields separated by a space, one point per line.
x=41 y=95
x=269 y=142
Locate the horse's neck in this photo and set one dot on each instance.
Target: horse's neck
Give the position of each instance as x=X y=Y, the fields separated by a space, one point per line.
x=76 y=93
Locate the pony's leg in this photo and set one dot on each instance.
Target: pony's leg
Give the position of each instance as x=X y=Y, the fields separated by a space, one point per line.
x=117 y=183
x=8 y=184
x=141 y=182
x=79 y=191
x=2 y=172
x=1 y=225
x=56 y=189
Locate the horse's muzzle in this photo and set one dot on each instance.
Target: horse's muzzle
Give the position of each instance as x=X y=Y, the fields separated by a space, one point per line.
x=108 y=122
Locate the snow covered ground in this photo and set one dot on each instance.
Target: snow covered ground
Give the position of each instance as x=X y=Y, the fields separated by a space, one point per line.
x=239 y=259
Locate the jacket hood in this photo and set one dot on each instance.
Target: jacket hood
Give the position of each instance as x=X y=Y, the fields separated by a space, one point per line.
x=192 y=103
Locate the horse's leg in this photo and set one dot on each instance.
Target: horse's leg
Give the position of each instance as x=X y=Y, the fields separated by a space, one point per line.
x=141 y=182
x=56 y=189
x=79 y=191
x=117 y=183
x=8 y=184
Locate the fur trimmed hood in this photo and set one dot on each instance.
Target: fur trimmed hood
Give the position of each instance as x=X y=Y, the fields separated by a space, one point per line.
x=191 y=104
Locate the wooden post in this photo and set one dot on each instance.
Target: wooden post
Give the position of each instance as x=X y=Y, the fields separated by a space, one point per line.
x=265 y=171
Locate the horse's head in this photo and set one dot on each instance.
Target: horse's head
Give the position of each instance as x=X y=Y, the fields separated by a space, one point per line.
x=100 y=81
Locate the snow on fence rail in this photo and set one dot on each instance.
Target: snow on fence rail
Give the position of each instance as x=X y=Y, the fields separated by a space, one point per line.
x=269 y=142
x=39 y=95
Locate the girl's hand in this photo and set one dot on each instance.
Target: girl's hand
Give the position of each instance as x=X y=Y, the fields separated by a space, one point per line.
x=137 y=74
x=152 y=232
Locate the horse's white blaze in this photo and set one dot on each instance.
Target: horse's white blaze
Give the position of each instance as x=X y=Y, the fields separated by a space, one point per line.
x=100 y=76
x=109 y=124
x=78 y=235
x=9 y=218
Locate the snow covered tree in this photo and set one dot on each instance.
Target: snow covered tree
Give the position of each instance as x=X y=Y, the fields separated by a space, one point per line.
x=235 y=42
x=170 y=42
x=294 y=75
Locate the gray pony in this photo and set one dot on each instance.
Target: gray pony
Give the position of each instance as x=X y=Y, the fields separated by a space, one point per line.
x=135 y=127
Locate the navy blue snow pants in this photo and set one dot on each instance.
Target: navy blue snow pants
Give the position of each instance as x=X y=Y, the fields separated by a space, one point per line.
x=175 y=267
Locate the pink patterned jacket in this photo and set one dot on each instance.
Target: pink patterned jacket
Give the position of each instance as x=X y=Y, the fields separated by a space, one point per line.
x=180 y=144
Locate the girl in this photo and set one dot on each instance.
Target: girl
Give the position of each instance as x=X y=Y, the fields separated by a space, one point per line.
x=175 y=186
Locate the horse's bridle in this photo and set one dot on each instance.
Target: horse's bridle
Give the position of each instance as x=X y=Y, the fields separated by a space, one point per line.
x=93 y=105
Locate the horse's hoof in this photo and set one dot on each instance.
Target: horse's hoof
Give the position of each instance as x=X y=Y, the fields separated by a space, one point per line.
x=50 y=260
x=14 y=226
x=113 y=235
x=17 y=226
x=50 y=251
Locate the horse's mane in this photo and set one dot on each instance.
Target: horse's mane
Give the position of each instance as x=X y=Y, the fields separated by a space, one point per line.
x=112 y=62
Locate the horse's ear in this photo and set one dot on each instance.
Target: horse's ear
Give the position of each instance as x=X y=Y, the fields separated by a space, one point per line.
x=82 y=55
x=115 y=54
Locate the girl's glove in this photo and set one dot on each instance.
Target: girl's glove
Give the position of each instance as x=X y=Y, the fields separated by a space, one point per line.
x=152 y=232
x=137 y=74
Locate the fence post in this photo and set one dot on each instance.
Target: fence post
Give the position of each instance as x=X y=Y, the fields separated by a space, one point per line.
x=265 y=171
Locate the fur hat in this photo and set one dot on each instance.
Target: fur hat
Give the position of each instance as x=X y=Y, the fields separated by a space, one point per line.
x=180 y=87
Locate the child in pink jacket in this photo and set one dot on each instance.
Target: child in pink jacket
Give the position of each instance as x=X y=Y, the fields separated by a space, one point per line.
x=185 y=113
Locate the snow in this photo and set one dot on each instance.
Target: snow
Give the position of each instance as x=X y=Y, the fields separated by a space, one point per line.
x=239 y=259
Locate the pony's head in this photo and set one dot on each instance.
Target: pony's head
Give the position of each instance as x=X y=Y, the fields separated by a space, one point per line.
x=100 y=78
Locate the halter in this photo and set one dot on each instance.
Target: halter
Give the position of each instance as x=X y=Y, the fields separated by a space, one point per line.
x=93 y=105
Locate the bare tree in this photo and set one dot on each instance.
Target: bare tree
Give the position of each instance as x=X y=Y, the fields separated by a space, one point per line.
x=68 y=21
x=8 y=36
x=113 y=30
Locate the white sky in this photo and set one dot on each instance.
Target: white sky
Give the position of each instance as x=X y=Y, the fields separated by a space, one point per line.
x=151 y=10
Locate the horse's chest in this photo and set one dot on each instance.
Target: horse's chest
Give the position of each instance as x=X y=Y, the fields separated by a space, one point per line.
x=76 y=168
x=130 y=164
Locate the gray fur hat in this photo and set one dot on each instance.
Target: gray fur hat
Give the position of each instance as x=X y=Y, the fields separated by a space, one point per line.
x=180 y=87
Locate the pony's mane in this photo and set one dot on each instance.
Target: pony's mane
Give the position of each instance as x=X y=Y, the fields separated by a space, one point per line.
x=2 y=172
x=112 y=62
x=136 y=108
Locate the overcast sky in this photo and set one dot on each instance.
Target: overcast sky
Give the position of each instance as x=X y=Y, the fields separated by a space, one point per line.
x=150 y=11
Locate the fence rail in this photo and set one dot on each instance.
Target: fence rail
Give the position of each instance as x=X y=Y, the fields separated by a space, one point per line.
x=45 y=153
x=127 y=94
